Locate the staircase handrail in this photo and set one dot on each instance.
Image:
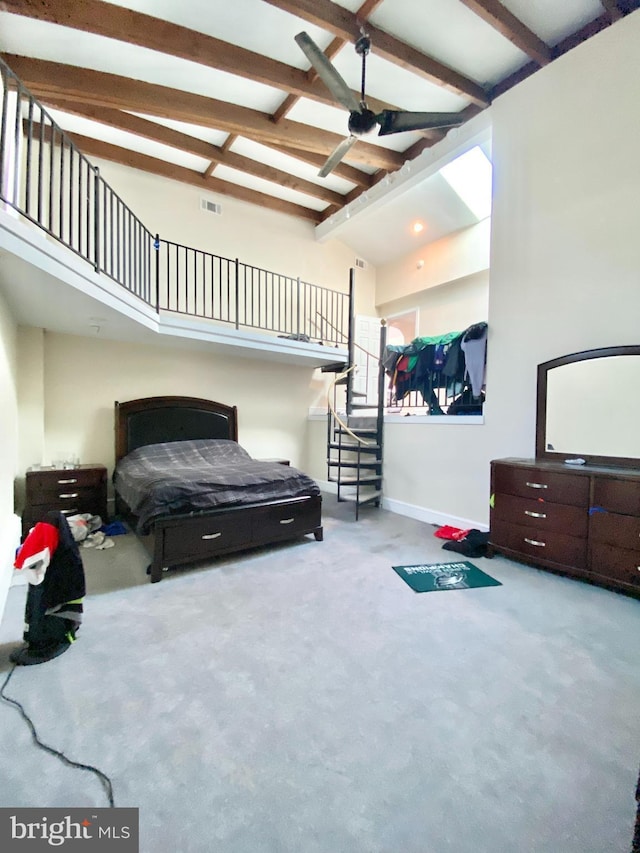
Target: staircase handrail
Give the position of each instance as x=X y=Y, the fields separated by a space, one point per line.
x=344 y=426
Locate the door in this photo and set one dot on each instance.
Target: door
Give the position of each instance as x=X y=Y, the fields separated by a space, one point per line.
x=366 y=355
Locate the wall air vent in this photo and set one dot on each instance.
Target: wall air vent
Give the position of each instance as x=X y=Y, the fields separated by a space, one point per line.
x=360 y=264
x=210 y=206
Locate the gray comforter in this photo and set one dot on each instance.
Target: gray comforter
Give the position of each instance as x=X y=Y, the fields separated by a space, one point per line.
x=181 y=477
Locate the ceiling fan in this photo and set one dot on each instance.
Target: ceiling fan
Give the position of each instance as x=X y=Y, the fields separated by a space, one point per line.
x=362 y=120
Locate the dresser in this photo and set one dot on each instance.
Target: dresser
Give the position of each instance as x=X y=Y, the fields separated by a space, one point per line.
x=580 y=520
x=82 y=489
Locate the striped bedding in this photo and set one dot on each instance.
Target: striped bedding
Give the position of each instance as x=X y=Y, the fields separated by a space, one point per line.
x=188 y=477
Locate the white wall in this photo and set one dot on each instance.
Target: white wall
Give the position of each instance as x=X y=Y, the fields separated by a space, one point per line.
x=565 y=253
x=446 y=308
x=565 y=261
x=457 y=256
x=9 y=526
x=83 y=377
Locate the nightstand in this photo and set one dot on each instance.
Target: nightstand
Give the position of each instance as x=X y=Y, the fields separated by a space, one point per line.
x=82 y=489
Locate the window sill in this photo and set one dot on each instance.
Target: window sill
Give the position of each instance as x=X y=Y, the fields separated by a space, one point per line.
x=431 y=420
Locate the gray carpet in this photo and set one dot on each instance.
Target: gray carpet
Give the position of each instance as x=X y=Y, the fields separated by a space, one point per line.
x=302 y=699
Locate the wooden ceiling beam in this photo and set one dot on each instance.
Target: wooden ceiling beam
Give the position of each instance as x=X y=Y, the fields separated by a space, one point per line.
x=184 y=142
x=590 y=29
x=145 y=163
x=345 y=24
x=53 y=80
x=512 y=28
x=612 y=9
x=127 y=25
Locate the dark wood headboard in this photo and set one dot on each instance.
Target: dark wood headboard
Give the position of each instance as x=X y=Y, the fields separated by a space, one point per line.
x=152 y=420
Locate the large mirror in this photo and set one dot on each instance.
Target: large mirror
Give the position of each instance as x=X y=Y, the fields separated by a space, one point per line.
x=589 y=407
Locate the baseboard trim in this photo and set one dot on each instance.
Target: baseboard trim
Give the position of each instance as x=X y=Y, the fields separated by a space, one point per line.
x=10 y=530
x=431 y=516
x=420 y=513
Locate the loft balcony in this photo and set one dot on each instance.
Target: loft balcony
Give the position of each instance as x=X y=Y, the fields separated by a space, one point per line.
x=75 y=259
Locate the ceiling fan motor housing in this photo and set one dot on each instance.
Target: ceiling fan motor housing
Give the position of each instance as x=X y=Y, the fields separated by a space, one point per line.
x=363 y=45
x=361 y=122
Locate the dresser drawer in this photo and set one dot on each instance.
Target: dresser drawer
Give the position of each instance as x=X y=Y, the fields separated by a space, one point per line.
x=571 y=489
x=540 y=544
x=621 y=531
x=617 y=496
x=541 y=514
x=202 y=537
x=617 y=564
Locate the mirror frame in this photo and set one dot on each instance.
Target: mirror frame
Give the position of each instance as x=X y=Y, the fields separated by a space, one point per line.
x=541 y=407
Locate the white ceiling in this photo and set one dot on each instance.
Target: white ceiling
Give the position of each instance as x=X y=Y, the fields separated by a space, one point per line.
x=450 y=31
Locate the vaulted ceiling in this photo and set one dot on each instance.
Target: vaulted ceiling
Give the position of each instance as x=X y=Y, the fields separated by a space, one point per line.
x=217 y=94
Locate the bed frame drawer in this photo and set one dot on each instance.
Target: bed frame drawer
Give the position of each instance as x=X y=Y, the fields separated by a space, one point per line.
x=201 y=538
x=282 y=521
x=177 y=540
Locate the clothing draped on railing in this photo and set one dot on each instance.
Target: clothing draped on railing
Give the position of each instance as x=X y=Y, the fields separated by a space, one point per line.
x=446 y=370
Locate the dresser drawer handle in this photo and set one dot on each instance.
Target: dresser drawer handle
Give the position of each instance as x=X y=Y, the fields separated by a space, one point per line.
x=67 y=482
x=538 y=485
x=70 y=495
x=287 y=520
x=535 y=514
x=535 y=542
x=211 y=535
x=69 y=511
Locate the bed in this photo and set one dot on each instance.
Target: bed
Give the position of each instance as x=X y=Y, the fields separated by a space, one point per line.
x=191 y=492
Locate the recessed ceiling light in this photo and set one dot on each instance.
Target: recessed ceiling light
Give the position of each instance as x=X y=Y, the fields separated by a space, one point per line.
x=417 y=227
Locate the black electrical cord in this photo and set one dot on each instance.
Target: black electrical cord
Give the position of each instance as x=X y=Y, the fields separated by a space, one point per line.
x=104 y=779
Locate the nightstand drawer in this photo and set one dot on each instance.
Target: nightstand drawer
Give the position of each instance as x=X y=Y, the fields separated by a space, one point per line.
x=59 y=482
x=70 y=491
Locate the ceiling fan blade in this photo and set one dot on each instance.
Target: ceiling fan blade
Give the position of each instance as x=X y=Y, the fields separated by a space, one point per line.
x=336 y=155
x=327 y=73
x=396 y=121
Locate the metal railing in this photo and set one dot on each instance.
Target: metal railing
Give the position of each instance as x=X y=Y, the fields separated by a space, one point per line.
x=430 y=376
x=201 y=284
x=47 y=179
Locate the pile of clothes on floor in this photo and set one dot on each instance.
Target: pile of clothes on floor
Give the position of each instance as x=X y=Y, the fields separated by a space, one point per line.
x=471 y=543
x=89 y=531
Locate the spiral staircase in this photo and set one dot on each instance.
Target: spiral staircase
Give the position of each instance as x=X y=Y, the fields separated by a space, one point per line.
x=355 y=421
